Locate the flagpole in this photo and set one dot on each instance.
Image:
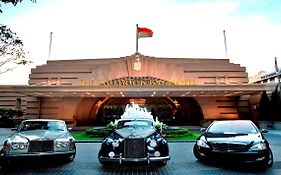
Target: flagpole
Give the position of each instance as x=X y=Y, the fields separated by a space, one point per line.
x=137 y=39
x=277 y=71
x=225 y=46
x=50 y=45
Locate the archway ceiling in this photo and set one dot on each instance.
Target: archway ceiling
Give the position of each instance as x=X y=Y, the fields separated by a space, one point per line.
x=138 y=91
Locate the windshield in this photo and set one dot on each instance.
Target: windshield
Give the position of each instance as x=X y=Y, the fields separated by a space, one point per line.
x=45 y=125
x=134 y=123
x=232 y=127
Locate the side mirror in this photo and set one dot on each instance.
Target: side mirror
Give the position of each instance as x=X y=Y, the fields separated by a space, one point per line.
x=264 y=131
x=203 y=129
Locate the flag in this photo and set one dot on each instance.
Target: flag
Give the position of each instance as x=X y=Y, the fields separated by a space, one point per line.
x=276 y=66
x=144 y=32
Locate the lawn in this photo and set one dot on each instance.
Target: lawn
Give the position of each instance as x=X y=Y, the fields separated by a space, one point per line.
x=84 y=136
x=191 y=136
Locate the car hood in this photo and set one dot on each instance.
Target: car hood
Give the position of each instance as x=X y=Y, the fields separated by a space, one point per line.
x=234 y=139
x=138 y=132
x=42 y=135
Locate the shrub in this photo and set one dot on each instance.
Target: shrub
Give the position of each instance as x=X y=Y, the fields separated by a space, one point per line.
x=97 y=133
x=160 y=126
x=110 y=127
x=10 y=113
x=178 y=132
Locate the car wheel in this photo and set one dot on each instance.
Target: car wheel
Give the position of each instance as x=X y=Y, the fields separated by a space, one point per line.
x=269 y=159
x=267 y=163
x=197 y=154
x=161 y=164
x=99 y=155
x=5 y=164
x=71 y=157
x=103 y=162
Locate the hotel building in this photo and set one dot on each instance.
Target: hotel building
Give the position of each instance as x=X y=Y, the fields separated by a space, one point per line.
x=179 y=91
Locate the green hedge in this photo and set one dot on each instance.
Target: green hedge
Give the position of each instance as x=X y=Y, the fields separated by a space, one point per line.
x=97 y=133
x=178 y=132
x=160 y=126
x=169 y=133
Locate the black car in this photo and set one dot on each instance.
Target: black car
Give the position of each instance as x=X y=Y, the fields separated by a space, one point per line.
x=134 y=140
x=234 y=140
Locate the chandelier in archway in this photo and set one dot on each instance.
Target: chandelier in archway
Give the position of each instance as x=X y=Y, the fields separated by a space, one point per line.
x=139 y=101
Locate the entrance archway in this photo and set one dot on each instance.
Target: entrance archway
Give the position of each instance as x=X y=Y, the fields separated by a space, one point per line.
x=172 y=111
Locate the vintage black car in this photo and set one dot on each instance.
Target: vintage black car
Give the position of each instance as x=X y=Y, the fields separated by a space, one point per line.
x=39 y=138
x=134 y=140
x=234 y=140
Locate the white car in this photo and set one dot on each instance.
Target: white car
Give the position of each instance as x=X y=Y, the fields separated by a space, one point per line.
x=41 y=138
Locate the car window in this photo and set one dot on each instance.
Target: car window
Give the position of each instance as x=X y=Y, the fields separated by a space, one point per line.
x=54 y=125
x=134 y=123
x=232 y=128
x=44 y=125
x=31 y=125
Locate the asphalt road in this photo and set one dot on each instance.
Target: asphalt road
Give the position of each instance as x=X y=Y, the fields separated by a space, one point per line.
x=182 y=162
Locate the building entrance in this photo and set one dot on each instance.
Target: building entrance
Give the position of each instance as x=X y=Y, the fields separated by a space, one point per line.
x=171 y=111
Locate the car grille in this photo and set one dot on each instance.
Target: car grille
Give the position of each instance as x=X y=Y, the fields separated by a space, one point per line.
x=134 y=148
x=229 y=147
x=41 y=146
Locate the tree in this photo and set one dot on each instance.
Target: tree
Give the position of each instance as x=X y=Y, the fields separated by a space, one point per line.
x=265 y=108
x=14 y=2
x=276 y=104
x=11 y=50
x=11 y=47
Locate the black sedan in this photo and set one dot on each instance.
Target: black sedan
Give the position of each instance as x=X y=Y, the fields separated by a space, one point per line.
x=234 y=140
x=134 y=140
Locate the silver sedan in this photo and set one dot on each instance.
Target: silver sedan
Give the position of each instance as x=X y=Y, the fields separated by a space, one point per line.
x=39 y=138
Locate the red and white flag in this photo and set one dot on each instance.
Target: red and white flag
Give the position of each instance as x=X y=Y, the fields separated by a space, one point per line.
x=144 y=32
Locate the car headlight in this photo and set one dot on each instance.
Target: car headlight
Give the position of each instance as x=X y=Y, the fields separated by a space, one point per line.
x=16 y=145
x=258 y=147
x=108 y=141
x=62 y=144
x=153 y=143
x=115 y=143
x=202 y=143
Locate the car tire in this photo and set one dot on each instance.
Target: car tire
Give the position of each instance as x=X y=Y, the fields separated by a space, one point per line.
x=197 y=154
x=5 y=164
x=268 y=162
x=269 y=159
x=70 y=158
x=161 y=164
x=103 y=162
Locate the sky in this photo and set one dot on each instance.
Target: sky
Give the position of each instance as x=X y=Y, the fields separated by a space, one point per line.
x=89 y=29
